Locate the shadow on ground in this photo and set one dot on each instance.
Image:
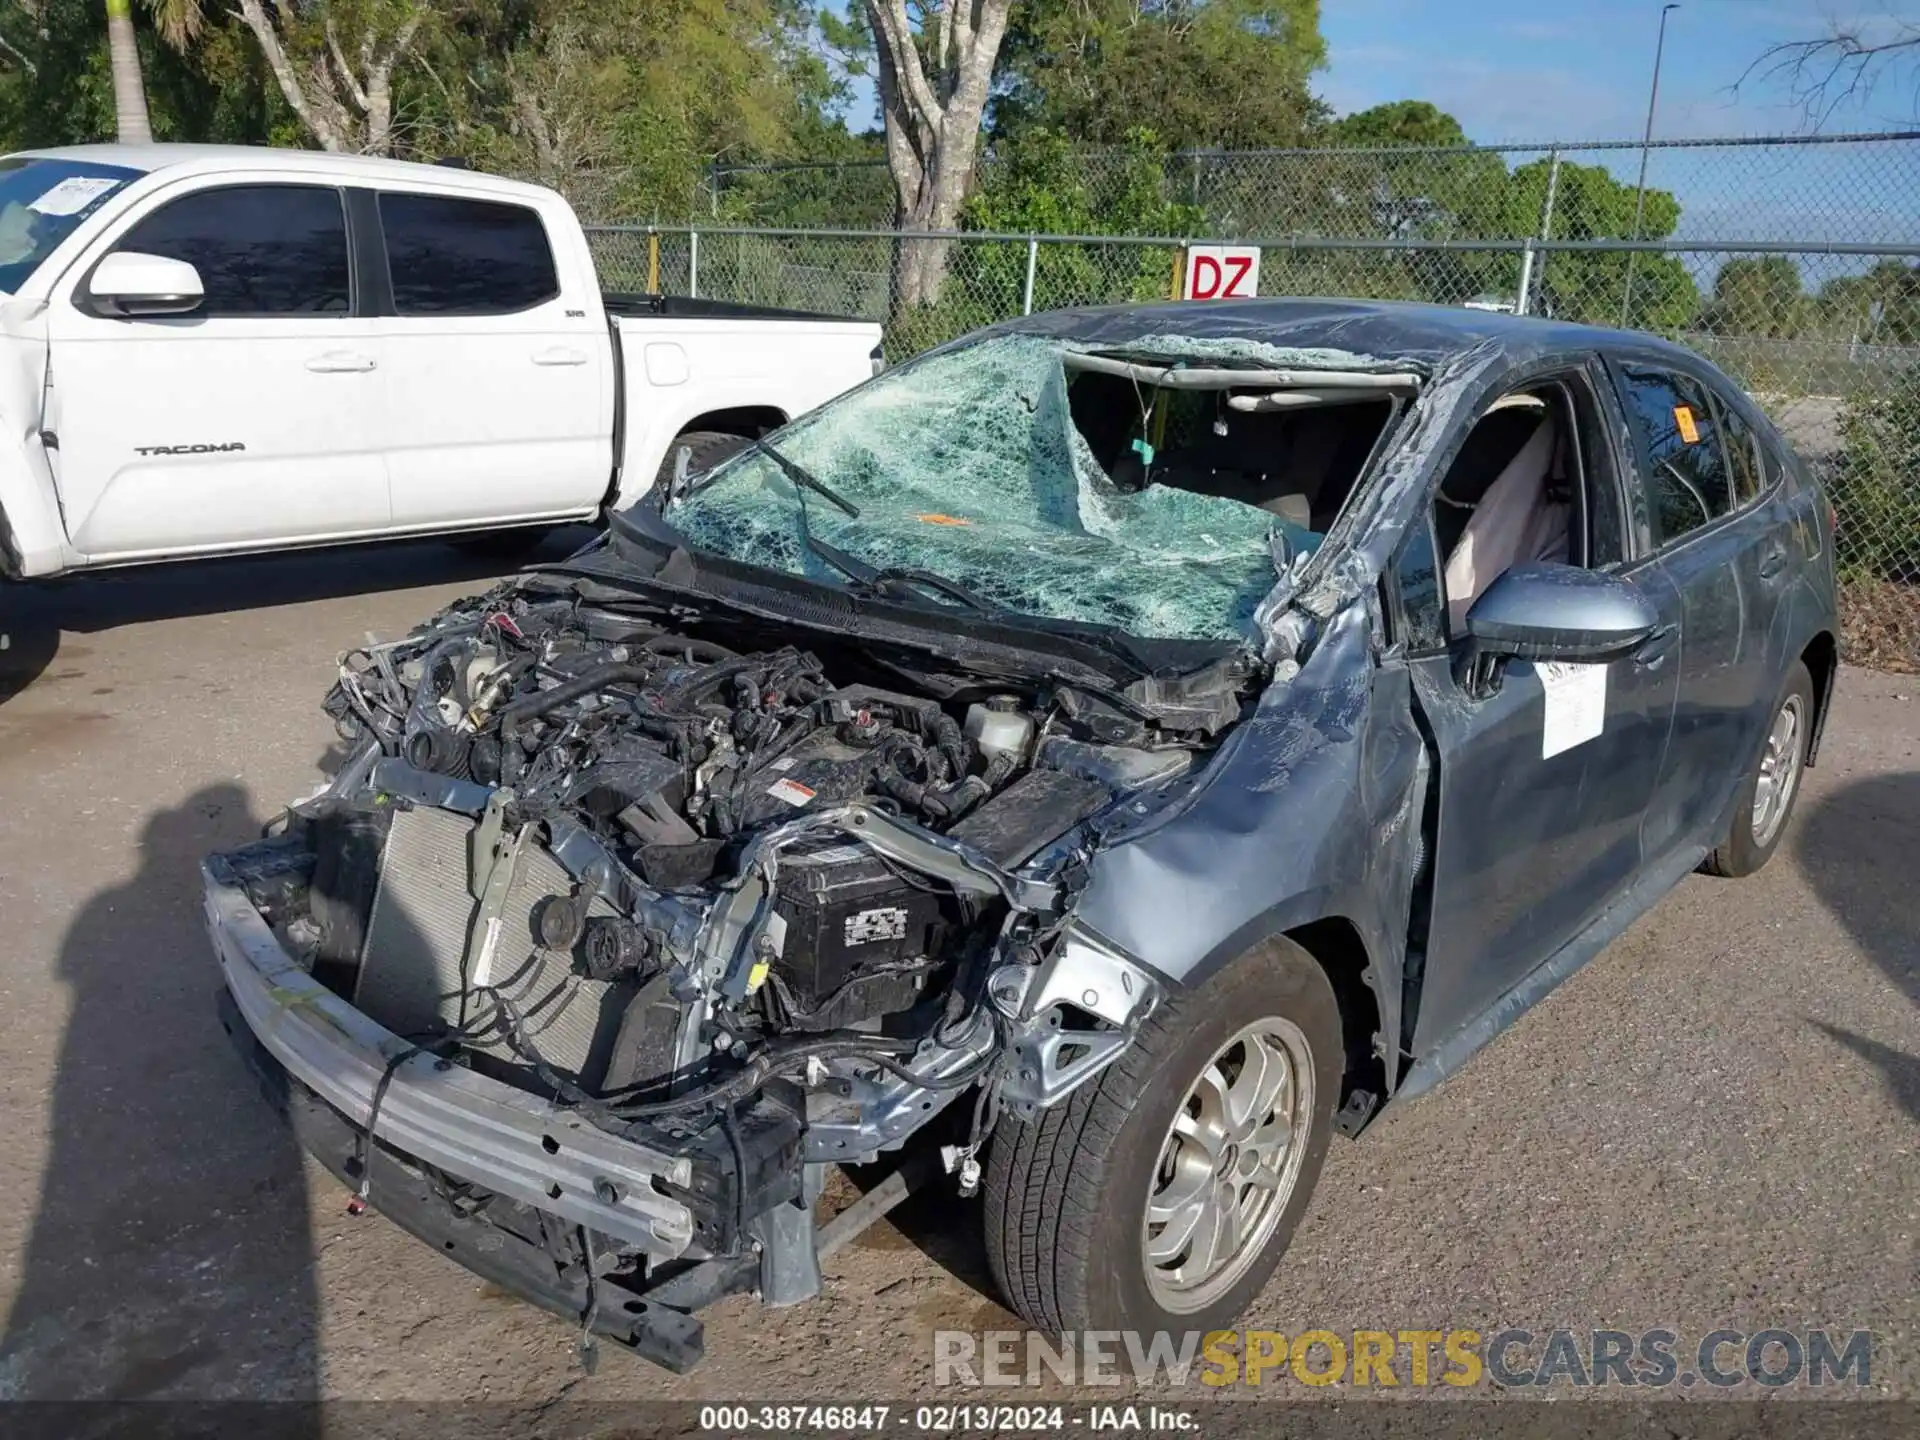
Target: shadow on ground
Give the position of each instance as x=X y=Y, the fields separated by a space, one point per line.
x=170 y=1252
x=1857 y=846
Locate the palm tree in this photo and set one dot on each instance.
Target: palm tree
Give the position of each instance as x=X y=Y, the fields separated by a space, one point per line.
x=129 y=93
x=178 y=22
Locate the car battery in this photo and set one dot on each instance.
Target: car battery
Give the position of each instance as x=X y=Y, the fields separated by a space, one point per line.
x=847 y=911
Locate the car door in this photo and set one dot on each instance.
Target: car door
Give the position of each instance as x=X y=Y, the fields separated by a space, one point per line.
x=1536 y=821
x=499 y=389
x=248 y=420
x=1709 y=541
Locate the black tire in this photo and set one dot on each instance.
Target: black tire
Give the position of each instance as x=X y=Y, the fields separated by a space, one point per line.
x=709 y=448
x=1741 y=851
x=1066 y=1194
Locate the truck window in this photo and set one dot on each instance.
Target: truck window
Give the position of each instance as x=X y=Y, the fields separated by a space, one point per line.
x=450 y=256
x=260 y=249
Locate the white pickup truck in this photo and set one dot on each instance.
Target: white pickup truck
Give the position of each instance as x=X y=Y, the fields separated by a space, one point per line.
x=211 y=349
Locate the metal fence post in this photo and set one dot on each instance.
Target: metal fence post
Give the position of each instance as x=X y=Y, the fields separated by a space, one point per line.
x=693 y=263
x=1533 y=264
x=1026 y=292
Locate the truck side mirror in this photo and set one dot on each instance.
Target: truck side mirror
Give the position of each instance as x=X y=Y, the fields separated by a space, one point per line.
x=129 y=283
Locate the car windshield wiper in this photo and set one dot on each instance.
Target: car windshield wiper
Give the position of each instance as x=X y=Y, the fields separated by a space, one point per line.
x=892 y=580
x=896 y=575
x=800 y=475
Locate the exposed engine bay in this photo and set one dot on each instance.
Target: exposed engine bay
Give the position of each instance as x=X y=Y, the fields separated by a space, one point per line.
x=762 y=905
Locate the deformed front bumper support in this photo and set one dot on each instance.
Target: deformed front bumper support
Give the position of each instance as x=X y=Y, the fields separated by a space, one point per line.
x=501 y=1139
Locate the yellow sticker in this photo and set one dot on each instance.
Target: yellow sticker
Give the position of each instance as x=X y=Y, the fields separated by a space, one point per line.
x=757 y=976
x=937 y=519
x=1683 y=417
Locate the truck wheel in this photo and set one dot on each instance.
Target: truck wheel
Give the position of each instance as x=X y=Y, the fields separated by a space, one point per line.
x=709 y=448
x=1162 y=1195
x=1766 y=797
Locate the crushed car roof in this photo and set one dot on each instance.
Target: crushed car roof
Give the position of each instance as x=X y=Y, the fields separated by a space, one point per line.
x=1388 y=329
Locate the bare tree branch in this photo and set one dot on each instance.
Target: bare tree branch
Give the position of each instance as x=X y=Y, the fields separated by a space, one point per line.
x=1846 y=63
x=19 y=58
x=344 y=70
x=345 y=105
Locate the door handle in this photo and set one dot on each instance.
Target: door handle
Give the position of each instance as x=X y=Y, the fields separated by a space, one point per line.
x=1773 y=562
x=560 y=355
x=341 y=362
x=1651 y=652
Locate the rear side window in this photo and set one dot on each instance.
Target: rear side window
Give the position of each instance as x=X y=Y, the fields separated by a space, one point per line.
x=450 y=256
x=1689 y=481
x=1743 y=453
x=260 y=249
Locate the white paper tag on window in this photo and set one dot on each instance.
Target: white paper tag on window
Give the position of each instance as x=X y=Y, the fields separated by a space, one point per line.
x=1576 y=704
x=72 y=195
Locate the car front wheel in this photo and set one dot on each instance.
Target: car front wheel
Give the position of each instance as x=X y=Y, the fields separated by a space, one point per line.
x=1162 y=1195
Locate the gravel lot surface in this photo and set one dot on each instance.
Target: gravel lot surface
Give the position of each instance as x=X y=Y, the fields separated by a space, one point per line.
x=1715 y=1124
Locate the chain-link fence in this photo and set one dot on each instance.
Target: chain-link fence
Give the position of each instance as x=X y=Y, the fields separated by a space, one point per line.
x=1823 y=329
x=1858 y=188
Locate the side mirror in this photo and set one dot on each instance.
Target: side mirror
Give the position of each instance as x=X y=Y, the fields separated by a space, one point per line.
x=1559 y=612
x=129 y=283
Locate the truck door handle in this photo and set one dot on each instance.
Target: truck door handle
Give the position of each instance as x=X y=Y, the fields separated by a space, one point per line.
x=1652 y=651
x=560 y=355
x=341 y=362
x=1773 y=562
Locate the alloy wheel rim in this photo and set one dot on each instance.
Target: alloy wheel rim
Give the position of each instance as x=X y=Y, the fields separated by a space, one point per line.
x=1228 y=1165
x=1779 y=771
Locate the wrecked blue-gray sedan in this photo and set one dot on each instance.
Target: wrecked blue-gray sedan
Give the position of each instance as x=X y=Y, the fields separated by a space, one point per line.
x=1094 y=762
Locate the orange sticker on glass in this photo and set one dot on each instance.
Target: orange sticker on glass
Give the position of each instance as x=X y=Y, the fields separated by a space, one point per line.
x=1683 y=417
x=942 y=520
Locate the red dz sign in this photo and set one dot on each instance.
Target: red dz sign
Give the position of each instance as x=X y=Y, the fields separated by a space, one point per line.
x=1222 y=272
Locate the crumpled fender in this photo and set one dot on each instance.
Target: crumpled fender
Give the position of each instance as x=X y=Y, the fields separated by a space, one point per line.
x=1311 y=810
x=33 y=541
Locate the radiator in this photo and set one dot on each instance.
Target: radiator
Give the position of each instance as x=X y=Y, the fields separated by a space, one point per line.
x=410 y=970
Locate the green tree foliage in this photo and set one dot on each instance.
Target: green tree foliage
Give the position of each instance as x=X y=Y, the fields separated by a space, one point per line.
x=1759 y=297
x=1872 y=485
x=1590 y=204
x=1202 y=74
x=1398 y=122
x=623 y=105
x=1042 y=184
x=55 y=88
x=1881 y=307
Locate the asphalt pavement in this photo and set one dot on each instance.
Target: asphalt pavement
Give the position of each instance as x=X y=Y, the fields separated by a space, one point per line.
x=1716 y=1124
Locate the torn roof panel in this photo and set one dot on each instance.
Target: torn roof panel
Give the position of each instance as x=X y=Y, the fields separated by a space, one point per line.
x=1391 y=332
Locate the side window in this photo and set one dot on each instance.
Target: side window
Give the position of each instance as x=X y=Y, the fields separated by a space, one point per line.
x=1689 y=482
x=1423 y=609
x=260 y=249
x=450 y=256
x=1743 y=453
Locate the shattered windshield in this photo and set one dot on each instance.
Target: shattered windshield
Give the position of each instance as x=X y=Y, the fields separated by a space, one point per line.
x=1034 y=486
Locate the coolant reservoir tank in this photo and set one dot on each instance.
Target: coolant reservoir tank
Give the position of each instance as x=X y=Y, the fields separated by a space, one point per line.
x=998 y=728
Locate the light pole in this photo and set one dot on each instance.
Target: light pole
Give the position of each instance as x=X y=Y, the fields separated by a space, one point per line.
x=1646 y=140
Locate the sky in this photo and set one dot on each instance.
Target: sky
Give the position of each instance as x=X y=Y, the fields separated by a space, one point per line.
x=1539 y=69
